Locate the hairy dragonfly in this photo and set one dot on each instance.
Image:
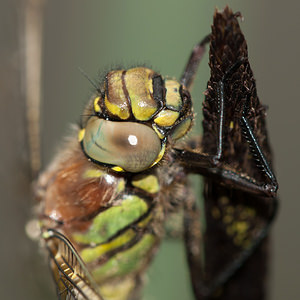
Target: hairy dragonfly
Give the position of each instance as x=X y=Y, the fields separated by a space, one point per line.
x=104 y=199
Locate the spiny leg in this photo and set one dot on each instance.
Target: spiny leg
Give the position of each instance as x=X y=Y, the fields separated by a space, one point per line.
x=258 y=154
x=235 y=179
x=209 y=165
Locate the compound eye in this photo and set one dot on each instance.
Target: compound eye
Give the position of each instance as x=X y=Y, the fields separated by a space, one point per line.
x=132 y=146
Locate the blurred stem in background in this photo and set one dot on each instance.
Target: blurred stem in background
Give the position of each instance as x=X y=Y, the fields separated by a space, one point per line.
x=31 y=40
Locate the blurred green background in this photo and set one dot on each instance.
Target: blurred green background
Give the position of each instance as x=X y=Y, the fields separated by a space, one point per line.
x=96 y=35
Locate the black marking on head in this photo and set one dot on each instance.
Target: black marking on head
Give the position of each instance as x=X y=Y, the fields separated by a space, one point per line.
x=159 y=90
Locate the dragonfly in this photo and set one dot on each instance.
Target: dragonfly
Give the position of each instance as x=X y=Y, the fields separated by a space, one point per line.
x=104 y=199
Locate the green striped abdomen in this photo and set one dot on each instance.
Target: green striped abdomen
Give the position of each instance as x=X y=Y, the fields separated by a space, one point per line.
x=120 y=241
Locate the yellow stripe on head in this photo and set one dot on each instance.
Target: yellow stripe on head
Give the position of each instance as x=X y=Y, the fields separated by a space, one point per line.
x=97 y=108
x=81 y=134
x=117 y=169
x=160 y=155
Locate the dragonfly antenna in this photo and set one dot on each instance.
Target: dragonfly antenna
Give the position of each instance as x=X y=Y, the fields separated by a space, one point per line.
x=89 y=79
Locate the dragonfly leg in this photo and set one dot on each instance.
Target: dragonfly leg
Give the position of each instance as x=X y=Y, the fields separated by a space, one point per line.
x=191 y=67
x=193 y=158
x=258 y=153
x=211 y=165
x=243 y=181
x=205 y=160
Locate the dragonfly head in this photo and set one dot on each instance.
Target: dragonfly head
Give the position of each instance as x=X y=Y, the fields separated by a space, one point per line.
x=130 y=122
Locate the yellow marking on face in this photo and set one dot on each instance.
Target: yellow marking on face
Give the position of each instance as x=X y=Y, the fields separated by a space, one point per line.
x=96 y=105
x=92 y=173
x=139 y=86
x=231 y=125
x=117 y=169
x=92 y=254
x=160 y=155
x=147 y=183
x=116 y=100
x=173 y=98
x=160 y=135
x=117 y=110
x=181 y=129
x=81 y=134
x=166 y=118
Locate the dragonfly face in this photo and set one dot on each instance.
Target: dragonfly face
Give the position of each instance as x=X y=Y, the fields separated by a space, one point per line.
x=156 y=113
x=104 y=199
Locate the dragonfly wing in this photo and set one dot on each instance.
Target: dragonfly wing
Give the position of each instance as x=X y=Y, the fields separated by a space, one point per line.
x=73 y=280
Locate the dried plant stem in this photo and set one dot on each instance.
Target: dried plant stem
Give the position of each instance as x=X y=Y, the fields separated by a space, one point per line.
x=32 y=41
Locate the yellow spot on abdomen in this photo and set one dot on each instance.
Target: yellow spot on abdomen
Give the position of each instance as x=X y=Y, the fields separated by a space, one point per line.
x=91 y=254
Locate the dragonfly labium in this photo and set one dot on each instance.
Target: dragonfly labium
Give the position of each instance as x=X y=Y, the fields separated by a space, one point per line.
x=104 y=199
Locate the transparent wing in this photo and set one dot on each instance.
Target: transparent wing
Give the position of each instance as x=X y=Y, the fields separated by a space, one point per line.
x=73 y=280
